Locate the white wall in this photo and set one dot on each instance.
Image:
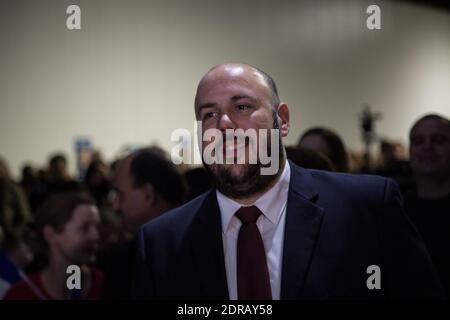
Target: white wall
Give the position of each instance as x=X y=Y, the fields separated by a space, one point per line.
x=129 y=76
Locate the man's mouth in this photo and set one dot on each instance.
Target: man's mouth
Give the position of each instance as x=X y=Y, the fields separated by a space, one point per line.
x=235 y=146
x=233 y=150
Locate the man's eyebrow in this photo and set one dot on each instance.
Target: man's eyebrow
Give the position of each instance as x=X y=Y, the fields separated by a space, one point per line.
x=206 y=105
x=242 y=96
x=233 y=98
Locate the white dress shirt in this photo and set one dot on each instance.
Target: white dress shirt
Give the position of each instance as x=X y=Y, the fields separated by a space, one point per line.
x=270 y=224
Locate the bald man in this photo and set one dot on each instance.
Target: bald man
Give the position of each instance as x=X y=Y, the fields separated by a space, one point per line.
x=147 y=185
x=291 y=234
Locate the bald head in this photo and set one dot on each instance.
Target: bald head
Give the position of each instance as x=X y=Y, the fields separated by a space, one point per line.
x=225 y=72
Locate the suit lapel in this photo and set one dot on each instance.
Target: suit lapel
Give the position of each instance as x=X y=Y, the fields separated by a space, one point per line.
x=207 y=247
x=303 y=220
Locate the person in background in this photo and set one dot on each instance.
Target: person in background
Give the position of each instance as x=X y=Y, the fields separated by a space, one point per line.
x=98 y=182
x=67 y=234
x=15 y=256
x=4 y=169
x=15 y=216
x=393 y=163
x=32 y=185
x=57 y=177
x=309 y=159
x=429 y=204
x=327 y=142
x=15 y=213
x=4 y=284
x=147 y=184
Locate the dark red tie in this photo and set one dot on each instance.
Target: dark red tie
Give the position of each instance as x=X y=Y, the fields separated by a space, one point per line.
x=252 y=273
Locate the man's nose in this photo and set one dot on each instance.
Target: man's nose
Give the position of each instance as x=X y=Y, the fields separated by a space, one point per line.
x=225 y=123
x=428 y=144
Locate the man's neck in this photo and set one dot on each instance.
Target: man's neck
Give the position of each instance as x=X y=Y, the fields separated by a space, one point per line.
x=246 y=201
x=429 y=188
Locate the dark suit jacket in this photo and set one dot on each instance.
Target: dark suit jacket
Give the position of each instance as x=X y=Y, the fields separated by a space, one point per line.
x=336 y=226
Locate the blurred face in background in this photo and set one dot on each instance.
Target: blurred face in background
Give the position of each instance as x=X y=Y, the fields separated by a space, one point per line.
x=58 y=169
x=316 y=143
x=131 y=202
x=430 y=148
x=78 y=241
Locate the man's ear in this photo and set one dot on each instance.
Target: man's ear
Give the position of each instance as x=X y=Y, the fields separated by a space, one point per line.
x=149 y=193
x=283 y=119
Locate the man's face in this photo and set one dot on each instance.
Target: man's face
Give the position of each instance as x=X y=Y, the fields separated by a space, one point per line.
x=430 y=148
x=59 y=168
x=131 y=202
x=79 y=239
x=234 y=97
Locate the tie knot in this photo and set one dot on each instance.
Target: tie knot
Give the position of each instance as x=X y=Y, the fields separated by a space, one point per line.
x=248 y=214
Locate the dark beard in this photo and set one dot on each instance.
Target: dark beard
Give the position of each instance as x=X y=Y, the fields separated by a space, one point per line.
x=251 y=181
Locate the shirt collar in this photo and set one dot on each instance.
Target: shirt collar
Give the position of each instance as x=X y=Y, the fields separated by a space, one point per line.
x=270 y=203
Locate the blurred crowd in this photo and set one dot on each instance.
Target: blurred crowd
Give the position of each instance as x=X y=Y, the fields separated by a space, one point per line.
x=49 y=219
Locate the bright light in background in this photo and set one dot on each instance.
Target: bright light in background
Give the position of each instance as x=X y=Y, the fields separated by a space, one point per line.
x=325 y=25
x=431 y=80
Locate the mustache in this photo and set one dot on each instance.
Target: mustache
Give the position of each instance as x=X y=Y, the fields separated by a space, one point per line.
x=233 y=139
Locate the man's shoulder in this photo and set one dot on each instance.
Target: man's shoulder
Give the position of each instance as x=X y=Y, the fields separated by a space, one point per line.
x=349 y=180
x=344 y=184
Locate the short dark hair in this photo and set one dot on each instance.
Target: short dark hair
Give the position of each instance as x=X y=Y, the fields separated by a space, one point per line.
x=435 y=116
x=272 y=85
x=309 y=159
x=56 y=211
x=57 y=157
x=151 y=166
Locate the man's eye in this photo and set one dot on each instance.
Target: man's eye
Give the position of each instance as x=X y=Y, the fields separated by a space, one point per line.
x=439 y=139
x=417 y=141
x=242 y=107
x=208 y=115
